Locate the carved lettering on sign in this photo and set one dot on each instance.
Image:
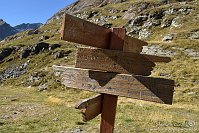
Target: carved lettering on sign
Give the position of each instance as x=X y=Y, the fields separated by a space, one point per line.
x=117 y=61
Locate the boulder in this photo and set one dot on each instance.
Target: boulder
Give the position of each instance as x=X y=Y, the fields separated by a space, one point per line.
x=166 y=23
x=25 y=53
x=54 y=46
x=6 y=52
x=44 y=38
x=156 y=14
x=40 y=47
x=139 y=20
x=168 y=37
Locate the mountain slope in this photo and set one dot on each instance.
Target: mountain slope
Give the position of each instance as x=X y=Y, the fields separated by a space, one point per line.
x=81 y=5
x=6 y=30
x=28 y=26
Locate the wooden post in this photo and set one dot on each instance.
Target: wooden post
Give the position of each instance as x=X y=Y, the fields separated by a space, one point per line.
x=109 y=103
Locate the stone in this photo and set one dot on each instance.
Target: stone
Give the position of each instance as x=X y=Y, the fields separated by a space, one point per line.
x=25 y=53
x=61 y=54
x=107 y=25
x=35 y=78
x=157 y=50
x=166 y=23
x=54 y=46
x=168 y=37
x=6 y=52
x=194 y=35
x=157 y=14
x=176 y=22
x=144 y=33
x=92 y=14
x=139 y=20
x=14 y=72
x=44 y=38
x=42 y=87
x=41 y=47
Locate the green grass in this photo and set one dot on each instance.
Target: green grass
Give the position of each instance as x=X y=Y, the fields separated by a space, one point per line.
x=24 y=109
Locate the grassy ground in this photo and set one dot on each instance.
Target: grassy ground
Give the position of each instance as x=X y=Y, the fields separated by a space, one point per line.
x=23 y=109
x=26 y=110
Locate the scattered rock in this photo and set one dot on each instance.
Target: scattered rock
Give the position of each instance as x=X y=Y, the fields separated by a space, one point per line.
x=42 y=38
x=92 y=14
x=31 y=50
x=107 y=25
x=191 y=53
x=157 y=14
x=25 y=53
x=61 y=54
x=139 y=20
x=54 y=46
x=56 y=119
x=14 y=72
x=157 y=50
x=144 y=34
x=176 y=22
x=35 y=78
x=42 y=87
x=6 y=52
x=194 y=35
x=41 y=47
x=168 y=37
x=166 y=22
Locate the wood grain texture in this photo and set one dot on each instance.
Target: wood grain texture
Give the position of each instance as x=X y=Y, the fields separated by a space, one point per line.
x=117 y=61
x=91 y=107
x=80 y=31
x=108 y=113
x=133 y=44
x=109 y=104
x=83 y=32
x=137 y=87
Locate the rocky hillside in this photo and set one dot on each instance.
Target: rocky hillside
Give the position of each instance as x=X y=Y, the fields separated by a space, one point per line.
x=27 y=26
x=170 y=27
x=80 y=5
x=6 y=30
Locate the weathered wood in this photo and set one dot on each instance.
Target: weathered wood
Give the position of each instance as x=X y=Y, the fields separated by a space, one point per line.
x=117 y=39
x=133 y=45
x=110 y=101
x=137 y=87
x=108 y=113
x=90 y=107
x=80 y=31
x=117 y=61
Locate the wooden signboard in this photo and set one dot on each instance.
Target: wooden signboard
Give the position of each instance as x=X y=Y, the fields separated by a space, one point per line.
x=90 y=107
x=137 y=87
x=117 y=61
x=83 y=32
x=98 y=70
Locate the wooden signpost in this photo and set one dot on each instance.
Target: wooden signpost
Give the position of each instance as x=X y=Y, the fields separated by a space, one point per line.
x=113 y=68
